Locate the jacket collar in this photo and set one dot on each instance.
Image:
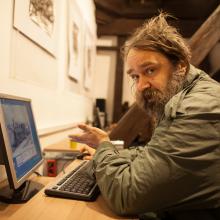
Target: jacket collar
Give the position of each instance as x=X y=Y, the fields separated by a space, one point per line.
x=172 y=105
x=191 y=76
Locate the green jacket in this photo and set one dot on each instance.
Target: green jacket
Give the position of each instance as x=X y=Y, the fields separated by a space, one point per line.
x=179 y=169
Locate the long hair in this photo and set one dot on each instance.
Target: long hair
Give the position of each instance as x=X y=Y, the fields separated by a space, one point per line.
x=157 y=35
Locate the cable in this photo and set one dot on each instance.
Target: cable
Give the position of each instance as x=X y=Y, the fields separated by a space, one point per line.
x=64 y=166
x=37 y=173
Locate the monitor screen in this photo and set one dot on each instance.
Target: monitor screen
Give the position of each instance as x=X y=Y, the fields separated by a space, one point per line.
x=20 y=144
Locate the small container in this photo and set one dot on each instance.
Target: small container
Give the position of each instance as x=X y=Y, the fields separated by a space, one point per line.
x=73 y=144
x=119 y=144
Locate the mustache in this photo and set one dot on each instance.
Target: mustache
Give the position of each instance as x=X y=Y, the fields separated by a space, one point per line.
x=152 y=101
x=149 y=94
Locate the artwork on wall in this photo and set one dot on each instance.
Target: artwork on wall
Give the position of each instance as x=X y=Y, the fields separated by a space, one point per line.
x=89 y=58
x=75 y=43
x=36 y=19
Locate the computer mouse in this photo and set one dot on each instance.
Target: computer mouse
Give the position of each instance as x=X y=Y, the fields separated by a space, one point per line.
x=81 y=155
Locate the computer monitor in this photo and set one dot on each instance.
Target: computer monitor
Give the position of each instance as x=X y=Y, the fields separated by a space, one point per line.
x=20 y=150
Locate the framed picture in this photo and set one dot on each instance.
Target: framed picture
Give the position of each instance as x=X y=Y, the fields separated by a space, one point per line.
x=89 y=58
x=37 y=20
x=75 y=42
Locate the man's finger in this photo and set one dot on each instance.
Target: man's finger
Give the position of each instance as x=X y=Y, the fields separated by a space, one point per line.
x=82 y=148
x=84 y=127
x=74 y=137
x=78 y=139
x=88 y=157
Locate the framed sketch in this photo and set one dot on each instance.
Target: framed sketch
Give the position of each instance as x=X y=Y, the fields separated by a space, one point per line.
x=89 y=58
x=37 y=20
x=75 y=42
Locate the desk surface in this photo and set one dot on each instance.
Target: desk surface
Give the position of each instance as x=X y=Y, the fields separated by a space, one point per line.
x=41 y=207
x=61 y=146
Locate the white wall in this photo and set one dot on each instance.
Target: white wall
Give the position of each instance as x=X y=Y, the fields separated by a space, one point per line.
x=105 y=73
x=29 y=71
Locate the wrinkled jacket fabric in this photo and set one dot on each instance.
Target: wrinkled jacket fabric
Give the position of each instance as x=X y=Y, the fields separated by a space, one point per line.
x=179 y=169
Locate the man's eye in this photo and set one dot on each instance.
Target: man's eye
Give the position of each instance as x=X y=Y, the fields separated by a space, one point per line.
x=134 y=77
x=149 y=71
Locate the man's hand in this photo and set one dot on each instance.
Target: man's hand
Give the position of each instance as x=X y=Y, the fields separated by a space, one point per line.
x=91 y=136
x=86 y=149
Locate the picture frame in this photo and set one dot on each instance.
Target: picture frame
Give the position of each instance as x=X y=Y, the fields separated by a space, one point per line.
x=75 y=39
x=89 y=58
x=37 y=20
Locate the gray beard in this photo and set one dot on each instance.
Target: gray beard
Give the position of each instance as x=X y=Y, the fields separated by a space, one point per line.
x=153 y=101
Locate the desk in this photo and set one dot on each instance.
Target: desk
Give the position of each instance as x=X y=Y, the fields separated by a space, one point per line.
x=58 y=152
x=61 y=146
x=41 y=207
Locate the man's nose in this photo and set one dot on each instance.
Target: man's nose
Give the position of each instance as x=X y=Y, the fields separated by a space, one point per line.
x=143 y=84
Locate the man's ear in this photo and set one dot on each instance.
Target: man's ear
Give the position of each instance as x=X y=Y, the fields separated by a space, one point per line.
x=182 y=68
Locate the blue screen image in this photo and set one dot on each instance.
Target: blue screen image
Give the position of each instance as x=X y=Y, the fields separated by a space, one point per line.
x=22 y=135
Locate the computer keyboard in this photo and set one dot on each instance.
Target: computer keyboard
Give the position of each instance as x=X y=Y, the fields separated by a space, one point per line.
x=78 y=184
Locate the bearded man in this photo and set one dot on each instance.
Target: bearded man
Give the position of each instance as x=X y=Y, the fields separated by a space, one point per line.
x=177 y=174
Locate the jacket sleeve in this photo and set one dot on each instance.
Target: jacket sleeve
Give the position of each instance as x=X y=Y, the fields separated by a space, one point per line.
x=128 y=180
x=168 y=172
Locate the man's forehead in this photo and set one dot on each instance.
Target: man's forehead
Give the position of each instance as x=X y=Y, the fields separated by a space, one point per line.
x=143 y=58
x=140 y=65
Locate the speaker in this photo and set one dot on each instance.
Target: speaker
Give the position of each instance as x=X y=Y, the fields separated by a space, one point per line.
x=51 y=167
x=100 y=103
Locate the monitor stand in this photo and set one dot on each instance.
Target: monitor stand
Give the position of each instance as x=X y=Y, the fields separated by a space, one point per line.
x=21 y=195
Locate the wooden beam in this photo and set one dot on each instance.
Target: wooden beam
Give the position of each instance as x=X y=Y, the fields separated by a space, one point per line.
x=112 y=48
x=138 y=127
x=189 y=9
x=216 y=75
x=205 y=37
x=140 y=12
x=110 y=6
x=122 y=9
x=124 y=26
x=117 y=107
x=150 y=8
x=120 y=27
x=103 y=18
x=187 y=27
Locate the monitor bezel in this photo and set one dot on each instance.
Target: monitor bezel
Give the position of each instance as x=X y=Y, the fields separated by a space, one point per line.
x=6 y=146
